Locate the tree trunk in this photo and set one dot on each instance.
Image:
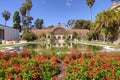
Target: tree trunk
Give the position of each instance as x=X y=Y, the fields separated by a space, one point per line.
x=28 y=13
x=104 y=38
x=91 y=13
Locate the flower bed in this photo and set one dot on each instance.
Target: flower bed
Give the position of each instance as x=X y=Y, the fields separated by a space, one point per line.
x=102 y=66
x=25 y=66
x=29 y=65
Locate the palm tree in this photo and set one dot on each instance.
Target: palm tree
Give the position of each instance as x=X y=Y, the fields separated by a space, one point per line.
x=90 y=3
x=106 y=22
x=117 y=18
x=28 y=6
x=6 y=16
x=23 y=10
x=23 y=13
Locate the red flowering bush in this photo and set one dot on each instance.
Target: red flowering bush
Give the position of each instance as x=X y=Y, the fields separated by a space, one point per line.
x=102 y=66
x=23 y=66
x=27 y=65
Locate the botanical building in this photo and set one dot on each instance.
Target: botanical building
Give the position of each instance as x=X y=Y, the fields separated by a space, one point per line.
x=60 y=34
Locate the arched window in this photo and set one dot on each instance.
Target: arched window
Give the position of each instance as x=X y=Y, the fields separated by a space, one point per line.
x=48 y=36
x=58 y=31
x=59 y=37
x=63 y=37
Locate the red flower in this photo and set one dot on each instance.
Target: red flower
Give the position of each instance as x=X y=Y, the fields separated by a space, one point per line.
x=10 y=77
x=80 y=62
x=41 y=77
x=83 y=57
x=94 y=76
x=38 y=73
x=72 y=61
x=86 y=74
x=98 y=72
x=6 y=73
x=91 y=73
x=16 y=68
x=43 y=58
x=90 y=67
x=92 y=60
x=10 y=68
x=5 y=64
x=67 y=65
x=108 y=77
x=34 y=77
x=54 y=77
x=113 y=75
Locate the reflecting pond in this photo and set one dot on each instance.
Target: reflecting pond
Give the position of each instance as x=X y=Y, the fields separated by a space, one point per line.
x=59 y=47
x=63 y=47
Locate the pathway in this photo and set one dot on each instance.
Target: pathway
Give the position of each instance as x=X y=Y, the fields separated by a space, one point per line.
x=62 y=74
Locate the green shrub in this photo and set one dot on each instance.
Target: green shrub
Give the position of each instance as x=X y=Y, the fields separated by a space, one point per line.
x=29 y=36
x=89 y=35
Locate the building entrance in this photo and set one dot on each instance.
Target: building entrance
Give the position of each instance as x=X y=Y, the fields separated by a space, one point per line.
x=1 y=34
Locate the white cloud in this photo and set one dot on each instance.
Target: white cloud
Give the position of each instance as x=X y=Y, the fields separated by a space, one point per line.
x=68 y=3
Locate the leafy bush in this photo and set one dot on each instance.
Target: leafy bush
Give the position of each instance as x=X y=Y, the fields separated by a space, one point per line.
x=28 y=65
x=29 y=36
x=89 y=35
x=23 y=66
x=102 y=66
x=42 y=37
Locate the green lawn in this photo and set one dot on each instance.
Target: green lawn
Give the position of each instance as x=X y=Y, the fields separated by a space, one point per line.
x=11 y=45
x=98 y=43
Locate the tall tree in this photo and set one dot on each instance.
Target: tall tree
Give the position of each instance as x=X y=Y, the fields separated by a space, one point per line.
x=70 y=23
x=23 y=11
x=106 y=22
x=6 y=16
x=117 y=17
x=28 y=6
x=90 y=3
x=17 y=21
x=82 y=24
x=50 y=27
x=39 y=23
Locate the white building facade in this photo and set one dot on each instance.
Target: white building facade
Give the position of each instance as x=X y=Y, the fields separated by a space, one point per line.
x=7 y=33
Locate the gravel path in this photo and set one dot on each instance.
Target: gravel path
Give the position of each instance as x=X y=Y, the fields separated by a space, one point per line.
x=62 y=74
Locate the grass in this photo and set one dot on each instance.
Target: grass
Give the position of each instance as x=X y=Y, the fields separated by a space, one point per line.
x=11 y=45
x=99 y=43
x=17 y=44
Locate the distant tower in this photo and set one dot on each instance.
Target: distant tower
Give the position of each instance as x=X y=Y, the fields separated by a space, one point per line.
x=59 y=24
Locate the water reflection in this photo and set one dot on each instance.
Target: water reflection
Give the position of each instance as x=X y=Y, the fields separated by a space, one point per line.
x=61 y=47
x=69 y=45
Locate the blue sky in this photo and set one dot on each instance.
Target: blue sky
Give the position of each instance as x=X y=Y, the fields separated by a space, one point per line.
x=54 y=11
